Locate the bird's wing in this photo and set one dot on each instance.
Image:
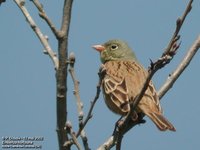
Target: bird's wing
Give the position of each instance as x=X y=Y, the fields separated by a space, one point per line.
x=154 y=96
x=115 y=87
x=118 y=93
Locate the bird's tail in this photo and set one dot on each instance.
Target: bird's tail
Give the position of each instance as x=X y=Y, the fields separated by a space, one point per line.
x=160 y=121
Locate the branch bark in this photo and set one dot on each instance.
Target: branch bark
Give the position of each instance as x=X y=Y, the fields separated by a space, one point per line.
x=72 y=134
x=78 y=101
x=179 y=23
x=98 y=91
x=179 y=70
x=76 y=87
x=61 y=75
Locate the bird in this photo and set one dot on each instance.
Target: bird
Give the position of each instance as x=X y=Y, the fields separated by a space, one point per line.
x=124 y=77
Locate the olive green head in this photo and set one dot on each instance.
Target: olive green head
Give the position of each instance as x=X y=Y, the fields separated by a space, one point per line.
x=115 y=50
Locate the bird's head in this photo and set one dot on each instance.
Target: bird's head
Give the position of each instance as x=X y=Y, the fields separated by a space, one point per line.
x=115 y=50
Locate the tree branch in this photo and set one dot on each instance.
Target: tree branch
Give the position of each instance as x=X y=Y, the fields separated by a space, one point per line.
x=179 y=23
x=179 y=70
x=98 y=91
x=76 y=87
x=59 y=63
x=89 y=115
x=61 y=75
x=66 y=18
x=78 y=100
x=44 y=16
x=72 y=134
x=36 y=29
x=85 y=141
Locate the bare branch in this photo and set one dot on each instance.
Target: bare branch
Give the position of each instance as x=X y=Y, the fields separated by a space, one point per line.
x=119 y=141
x=78 y=100
x=44 y=16
x=38 y=32
x=179 y=23
x=178 y=71
x=112 y=140
x=98 y=91
x=59 y=63
x=61 y=75
x=72 y=134
x=66 y=18
x=76 y=87
x=108 y=144
x=89 y=115
x=85 y=140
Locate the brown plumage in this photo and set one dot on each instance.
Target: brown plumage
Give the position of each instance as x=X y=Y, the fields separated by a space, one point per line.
x=123 y=80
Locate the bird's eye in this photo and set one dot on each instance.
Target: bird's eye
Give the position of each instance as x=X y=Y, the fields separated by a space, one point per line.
x=114 y=47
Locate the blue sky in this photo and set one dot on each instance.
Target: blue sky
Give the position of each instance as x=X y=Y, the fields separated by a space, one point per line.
x=27 y=80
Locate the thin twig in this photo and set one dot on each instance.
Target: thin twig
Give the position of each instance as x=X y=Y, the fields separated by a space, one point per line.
x=89 y=115
x=72 y=134
x=98 y=91
x=179 y=23
x=38 y=32
x=76 y=87
x=112 y=141
x=44 y=16
x=181 y=67
x=66 y=18
x=78 y=100
x=85 y=141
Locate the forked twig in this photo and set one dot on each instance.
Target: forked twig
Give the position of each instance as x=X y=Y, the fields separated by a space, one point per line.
x=181 y=67
x=36 y=29
x=68 y=127
x=44 y=16
x=98 y=91
x=179 y=23
x=93 y=102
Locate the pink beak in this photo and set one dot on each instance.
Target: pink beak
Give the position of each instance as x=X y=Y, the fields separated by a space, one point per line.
x=98 y=47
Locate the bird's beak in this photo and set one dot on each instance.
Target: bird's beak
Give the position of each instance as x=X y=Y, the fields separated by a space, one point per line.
x=98 y=47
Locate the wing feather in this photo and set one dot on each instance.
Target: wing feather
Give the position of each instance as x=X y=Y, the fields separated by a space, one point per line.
x=118 y=92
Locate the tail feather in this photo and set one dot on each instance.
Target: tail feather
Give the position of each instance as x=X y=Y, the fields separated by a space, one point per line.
x=160 y=121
